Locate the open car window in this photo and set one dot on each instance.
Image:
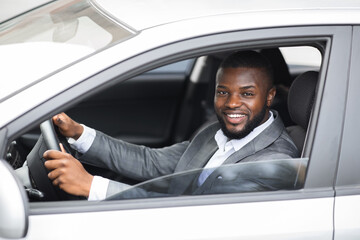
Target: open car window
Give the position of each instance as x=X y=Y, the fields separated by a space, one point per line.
x=177 y=115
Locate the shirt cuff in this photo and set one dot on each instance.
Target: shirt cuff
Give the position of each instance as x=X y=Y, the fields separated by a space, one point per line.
x=84 y=142
x=98 y=188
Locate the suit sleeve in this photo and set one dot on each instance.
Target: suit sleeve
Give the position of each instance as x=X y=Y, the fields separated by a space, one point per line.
x=134 y=161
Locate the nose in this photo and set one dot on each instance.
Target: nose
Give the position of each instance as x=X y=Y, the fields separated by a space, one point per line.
x=233 y=101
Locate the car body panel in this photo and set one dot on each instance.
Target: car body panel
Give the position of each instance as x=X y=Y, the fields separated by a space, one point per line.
x=297 y=219
x=347 y=210
x=158 y=13
x=17 y=207
x=347 y=217
x=348 y=166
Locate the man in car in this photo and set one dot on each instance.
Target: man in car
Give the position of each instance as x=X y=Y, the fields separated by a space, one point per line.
x=246 y=131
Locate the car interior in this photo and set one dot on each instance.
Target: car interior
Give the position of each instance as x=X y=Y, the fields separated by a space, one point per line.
x=171 y=103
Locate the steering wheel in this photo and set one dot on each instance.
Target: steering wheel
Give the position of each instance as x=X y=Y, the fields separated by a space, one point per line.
x=49 y=140
x=50 y=136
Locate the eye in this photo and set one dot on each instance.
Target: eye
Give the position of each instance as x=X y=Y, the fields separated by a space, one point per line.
x=221 y=93
x=248 y=94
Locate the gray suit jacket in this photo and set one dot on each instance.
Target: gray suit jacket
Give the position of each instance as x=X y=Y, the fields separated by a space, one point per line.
x=143 y=163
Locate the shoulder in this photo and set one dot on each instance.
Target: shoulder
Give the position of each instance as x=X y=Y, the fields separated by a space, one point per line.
x=275 y=142
x=284 y=142
x=281 y=148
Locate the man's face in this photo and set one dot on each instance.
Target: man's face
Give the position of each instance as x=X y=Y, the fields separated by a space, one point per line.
x=242 y=99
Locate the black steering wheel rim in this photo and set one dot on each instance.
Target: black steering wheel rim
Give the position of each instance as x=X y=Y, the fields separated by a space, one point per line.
x=50 y=136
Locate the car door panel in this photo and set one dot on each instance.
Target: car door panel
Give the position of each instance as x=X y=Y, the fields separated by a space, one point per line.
x=347 y=217
x=264 y=220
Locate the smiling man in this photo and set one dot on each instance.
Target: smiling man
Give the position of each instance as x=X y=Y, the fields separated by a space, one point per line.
x=247 y=131
x=244 y=93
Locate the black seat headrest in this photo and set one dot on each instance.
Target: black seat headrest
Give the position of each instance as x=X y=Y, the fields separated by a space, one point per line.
x=301 y=97
x=278 y=63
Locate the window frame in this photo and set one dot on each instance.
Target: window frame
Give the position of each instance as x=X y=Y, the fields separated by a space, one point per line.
x=348 y=178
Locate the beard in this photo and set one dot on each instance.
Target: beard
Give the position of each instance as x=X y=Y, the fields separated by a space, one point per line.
x=249 y=126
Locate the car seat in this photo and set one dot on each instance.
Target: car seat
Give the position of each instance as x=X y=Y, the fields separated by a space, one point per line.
x=282 y=82
x=300 y=103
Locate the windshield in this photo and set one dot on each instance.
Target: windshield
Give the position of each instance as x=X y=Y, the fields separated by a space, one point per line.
x=268 y=175
x=44 y=40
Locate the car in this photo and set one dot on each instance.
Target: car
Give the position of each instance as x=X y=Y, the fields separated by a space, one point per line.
x=144 y=72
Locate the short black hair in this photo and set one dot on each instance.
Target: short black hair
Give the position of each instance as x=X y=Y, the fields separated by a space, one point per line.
x=249 y=59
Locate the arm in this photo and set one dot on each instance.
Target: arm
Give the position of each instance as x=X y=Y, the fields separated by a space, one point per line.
x=138 y=162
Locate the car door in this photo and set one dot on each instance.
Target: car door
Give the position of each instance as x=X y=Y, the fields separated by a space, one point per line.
x=347 y=209
x=298 y=214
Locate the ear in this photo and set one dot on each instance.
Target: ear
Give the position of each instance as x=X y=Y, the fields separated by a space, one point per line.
x=270 y=96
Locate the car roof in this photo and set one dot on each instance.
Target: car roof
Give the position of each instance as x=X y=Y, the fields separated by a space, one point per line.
x=158 y=12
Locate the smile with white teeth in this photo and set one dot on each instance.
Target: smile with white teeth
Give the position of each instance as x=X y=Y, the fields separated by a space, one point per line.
x=235 y=115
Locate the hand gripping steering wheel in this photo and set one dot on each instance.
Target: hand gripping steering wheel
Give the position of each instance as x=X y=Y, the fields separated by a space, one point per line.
x=49 y=140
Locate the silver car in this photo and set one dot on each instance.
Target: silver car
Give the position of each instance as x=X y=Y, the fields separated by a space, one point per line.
x=143 y=71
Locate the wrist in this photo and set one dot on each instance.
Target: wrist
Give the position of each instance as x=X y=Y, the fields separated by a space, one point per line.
x=79 y=129
x=87 y=187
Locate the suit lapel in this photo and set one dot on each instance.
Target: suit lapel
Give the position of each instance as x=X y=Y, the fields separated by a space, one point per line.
x=200 y=150
x=196 y=156
x=180 y=184
x=203 y=155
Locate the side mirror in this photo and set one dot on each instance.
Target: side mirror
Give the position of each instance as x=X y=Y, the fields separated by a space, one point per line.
x=14 y=218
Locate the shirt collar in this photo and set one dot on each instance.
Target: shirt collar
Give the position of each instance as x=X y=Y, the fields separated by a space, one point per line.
x=237 y=144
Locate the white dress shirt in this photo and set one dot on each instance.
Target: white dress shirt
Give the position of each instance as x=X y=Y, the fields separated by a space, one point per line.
x=99 y=184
